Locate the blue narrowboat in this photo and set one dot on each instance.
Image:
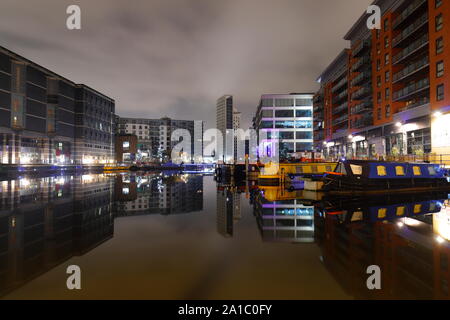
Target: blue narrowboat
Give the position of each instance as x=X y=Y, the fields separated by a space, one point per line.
x=364 y=177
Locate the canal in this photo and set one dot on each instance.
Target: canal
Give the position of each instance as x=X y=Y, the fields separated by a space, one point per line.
x=171 y=236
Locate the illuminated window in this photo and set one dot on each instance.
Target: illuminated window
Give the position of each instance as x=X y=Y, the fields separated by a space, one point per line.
x=381 y=170
x=400 y=211
x=382 y=213
x=417 y=208
x=439 y=22
x=357 y=170
x=126 y=144
x=417 y=171
x=400 y=171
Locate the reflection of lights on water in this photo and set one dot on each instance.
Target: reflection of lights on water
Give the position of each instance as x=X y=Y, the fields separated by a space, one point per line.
x=411 y=222
x=13 y=222
x=440 y=240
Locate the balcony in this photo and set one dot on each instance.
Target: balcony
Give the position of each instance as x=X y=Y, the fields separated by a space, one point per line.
x=360 y=63
x=340 y=120
x=410 y=30
x=411 y=69
x=412 y=89
x=360 y=48
x=361 y=93
x=420 y=102
x=341 y=108
x=340 y=97
x=318 y=97
x=340 y=84
x=360 y=78
x=412 y=48
x=408 y=12
x=362 y=122
x=362 y=108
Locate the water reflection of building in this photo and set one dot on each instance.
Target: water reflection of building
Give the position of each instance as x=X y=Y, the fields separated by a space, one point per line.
x=44 y=222
x=283 y=218
x=159 y=194
x=401 y=239
x=228 y=209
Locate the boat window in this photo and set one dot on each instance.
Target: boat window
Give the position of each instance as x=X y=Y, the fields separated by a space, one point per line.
x=400 y=171
x=357 y=170
x=432 y=171
x=417 y=208
x=417 y=171
x=381 y=170
x=382 y=213
x=400 y=211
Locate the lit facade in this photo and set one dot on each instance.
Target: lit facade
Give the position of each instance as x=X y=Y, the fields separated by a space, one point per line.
x=379 y=96
x=154 y=137
x=47 y=119
x=288 y=117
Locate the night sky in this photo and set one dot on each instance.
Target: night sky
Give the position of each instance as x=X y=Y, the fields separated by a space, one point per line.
x=176 y=57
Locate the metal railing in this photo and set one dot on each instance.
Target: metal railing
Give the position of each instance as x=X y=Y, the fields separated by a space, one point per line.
x=410 y=69
x=408 y=11
x=410 y=29
x=412 y=88
x=440 y=159
x=422 y=41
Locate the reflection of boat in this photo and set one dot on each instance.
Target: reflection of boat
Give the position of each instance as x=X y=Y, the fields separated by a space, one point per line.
x=383 y=208
x=274 y=174
x=366 y=177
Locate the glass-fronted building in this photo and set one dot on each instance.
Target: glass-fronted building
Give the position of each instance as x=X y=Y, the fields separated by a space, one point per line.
x=288 y=117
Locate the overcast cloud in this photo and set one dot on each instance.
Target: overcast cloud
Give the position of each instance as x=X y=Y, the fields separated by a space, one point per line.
x=176 y=57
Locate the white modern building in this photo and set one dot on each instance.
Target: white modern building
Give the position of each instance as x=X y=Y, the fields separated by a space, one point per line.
x=288 y=117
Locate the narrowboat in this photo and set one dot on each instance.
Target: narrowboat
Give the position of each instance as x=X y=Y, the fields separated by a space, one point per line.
x=371 y=177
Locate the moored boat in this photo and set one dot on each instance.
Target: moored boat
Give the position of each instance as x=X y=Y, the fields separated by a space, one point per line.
x=372 y=177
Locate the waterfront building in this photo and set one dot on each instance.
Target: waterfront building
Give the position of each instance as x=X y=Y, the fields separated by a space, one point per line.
x=154 y=137
x=288 y=117
x=386 y=93
x=228 y=120
x=48 y=119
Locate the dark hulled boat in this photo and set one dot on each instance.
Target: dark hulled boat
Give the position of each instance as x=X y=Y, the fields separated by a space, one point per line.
x=369 y=177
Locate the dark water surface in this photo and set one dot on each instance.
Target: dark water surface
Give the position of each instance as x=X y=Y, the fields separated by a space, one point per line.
x=163 y=236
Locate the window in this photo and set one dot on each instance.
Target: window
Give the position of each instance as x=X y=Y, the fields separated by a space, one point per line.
x=303 y=113
x=399 y=170
x=417 y=208
x=379 y=97
x=304 y=135
x=378 y=48
x=417 y=171
x=378 y=33
x=266 y=124
x=378 y=81
x=440 y=92
x=126 y=144
x=386 y=59
x=400 y=211
x=381 y=171
x=382 y=213
x=303 y=124
x=379 y=114
x=378 y=65
x=440 y=69
x=267 y=114
x=387 y=93
x=437 y=3
x=386 y=42
x=388 y=111
x=284 y=124
x=439 y=45
x=432 y=171
x=289 y=135
x=439 y=22
x=284 y=113
x=357 y=170
x=387 y=76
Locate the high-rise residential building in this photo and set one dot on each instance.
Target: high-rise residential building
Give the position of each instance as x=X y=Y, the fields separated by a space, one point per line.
x=386 y=93
x=288 y=117
x=48 y=119
x=228 y=120
x=154 y=137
